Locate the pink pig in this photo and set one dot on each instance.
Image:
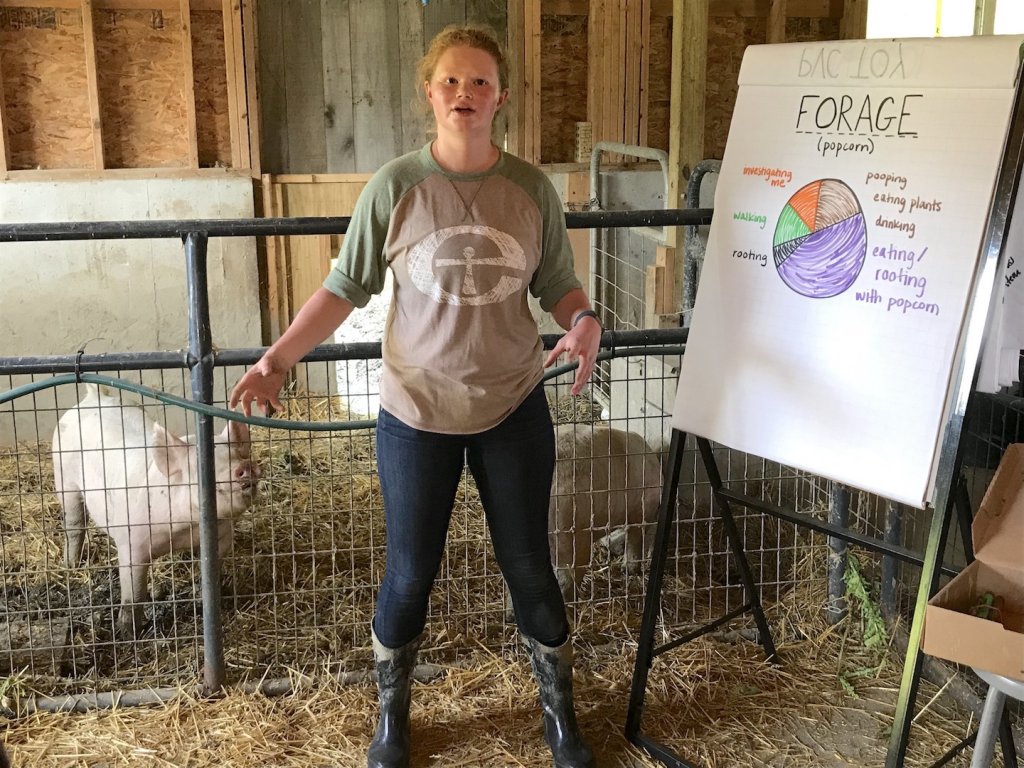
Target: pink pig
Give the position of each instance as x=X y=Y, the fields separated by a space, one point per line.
x=139 y=483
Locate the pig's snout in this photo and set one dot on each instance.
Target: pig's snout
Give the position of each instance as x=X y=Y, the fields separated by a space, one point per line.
x=246 y=474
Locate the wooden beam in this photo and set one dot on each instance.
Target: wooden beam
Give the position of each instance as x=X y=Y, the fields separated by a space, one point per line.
x=117 y=174
x=776 y=21
x=531 y=95
x=618 y=80
x=92 y=84
x=595 y=40
x=800 y=9
x=252 y=108
x=686 y=111
x=5 y=147
x=236 y=77
x=645 y=71
x=317 y=178
x=577 y=194
x=516 y=47
x=631 y=92
x=230 y=69
x=114 y=5
x=854 y=24
x=189 y=83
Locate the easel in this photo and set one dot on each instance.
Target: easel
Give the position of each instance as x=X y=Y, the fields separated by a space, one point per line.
x=947 y=491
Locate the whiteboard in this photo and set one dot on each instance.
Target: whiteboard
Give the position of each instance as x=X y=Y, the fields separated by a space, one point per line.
x=848 y=220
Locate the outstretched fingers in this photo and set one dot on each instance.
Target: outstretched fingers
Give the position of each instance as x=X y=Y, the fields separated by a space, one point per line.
x=574 y=350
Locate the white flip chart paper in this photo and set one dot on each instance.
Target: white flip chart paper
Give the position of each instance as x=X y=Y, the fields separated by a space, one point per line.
x=848 y=219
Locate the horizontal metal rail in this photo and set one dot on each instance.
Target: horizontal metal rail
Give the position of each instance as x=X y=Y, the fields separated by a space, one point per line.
x=179 y=359
x=303 y=225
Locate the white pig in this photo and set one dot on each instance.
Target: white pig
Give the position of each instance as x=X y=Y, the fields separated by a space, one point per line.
x=139 y=483
x=607 y=488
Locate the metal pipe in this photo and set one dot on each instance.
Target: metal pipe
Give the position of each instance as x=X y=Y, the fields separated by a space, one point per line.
x=889 y=592
x=647 y=153
x=691 y=264
x=839 y=514
x=275 y=686
x=303 y=225
x=53 y=364
x=200 y=344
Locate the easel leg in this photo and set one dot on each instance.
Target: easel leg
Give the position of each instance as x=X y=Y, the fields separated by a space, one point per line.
x=652 y=604
x=750 y=588
x=964 y=516
x=930 y=570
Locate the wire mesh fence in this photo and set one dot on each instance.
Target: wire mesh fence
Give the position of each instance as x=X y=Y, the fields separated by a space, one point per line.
x=300 y=573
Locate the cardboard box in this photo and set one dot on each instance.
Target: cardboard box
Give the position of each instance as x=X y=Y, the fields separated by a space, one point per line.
x=952 y=631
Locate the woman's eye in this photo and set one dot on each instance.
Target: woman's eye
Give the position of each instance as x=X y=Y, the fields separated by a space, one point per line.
x=451 y=81
x=480 y=82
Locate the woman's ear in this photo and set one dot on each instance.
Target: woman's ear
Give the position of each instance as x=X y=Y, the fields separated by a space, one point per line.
x=502 y=99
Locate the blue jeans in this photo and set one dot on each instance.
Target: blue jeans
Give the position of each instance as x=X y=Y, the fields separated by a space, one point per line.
x=512 y=464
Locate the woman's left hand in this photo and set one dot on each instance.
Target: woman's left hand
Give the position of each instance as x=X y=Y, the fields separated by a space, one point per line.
x=581 y=343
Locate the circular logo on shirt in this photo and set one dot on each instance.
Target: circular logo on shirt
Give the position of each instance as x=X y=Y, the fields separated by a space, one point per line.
x=467 y=265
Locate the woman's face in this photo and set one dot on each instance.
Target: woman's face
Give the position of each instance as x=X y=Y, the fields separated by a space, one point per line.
x=464 y=91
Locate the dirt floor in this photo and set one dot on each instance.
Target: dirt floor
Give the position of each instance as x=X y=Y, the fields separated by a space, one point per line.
x=716 y=703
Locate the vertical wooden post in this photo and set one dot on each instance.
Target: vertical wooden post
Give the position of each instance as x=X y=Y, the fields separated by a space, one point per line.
x=776 y=21
x=230 y=67
x=236 y=72
x=5 y=148
x=251 y=101
x=595 y=75
x=189 y=82
x=516 y=48
x=577 y=192
x=645 y=69
x=686 y=123
x=854 y=24
x=531 y=95
x=92 y=83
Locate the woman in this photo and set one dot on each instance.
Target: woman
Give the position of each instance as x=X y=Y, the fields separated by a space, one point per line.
x=466 y=229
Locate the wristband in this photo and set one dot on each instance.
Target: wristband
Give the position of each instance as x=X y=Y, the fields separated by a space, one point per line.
x=586 y=313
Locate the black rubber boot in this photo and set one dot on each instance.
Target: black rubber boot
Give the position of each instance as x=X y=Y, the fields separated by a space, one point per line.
x=553 y=669
x=390 y=745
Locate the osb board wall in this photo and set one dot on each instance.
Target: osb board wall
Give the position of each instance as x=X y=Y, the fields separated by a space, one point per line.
x=728 y=37
x=140 y=65
x=808 y=30
x=563 y=87
x=44 y=89
x=659 y=82
x=213 y=122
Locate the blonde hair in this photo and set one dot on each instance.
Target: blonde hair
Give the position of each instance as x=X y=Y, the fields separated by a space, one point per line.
x=468 y=36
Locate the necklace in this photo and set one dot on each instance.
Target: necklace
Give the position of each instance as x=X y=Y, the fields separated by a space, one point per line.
x=468 y=207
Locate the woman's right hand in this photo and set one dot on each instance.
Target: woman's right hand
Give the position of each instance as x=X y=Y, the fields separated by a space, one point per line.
x=259 y=387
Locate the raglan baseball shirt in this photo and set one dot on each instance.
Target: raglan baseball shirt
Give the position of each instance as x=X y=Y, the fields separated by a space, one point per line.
x=461 y=349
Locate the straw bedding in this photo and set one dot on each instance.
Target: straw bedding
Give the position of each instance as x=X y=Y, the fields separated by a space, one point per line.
x=298 y=593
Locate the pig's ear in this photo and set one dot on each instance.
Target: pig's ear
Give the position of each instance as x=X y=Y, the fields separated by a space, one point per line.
x=166 y=451
x=236 y=433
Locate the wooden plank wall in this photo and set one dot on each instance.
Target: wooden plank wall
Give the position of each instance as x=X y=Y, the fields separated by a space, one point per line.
x=296 y=265
x=338 y=78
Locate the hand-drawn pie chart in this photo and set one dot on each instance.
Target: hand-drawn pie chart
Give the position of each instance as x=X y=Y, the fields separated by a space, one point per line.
x=821 y=239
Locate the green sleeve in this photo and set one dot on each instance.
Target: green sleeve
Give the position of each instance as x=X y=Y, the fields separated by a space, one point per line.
x=554 y=277
x=361 y=266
